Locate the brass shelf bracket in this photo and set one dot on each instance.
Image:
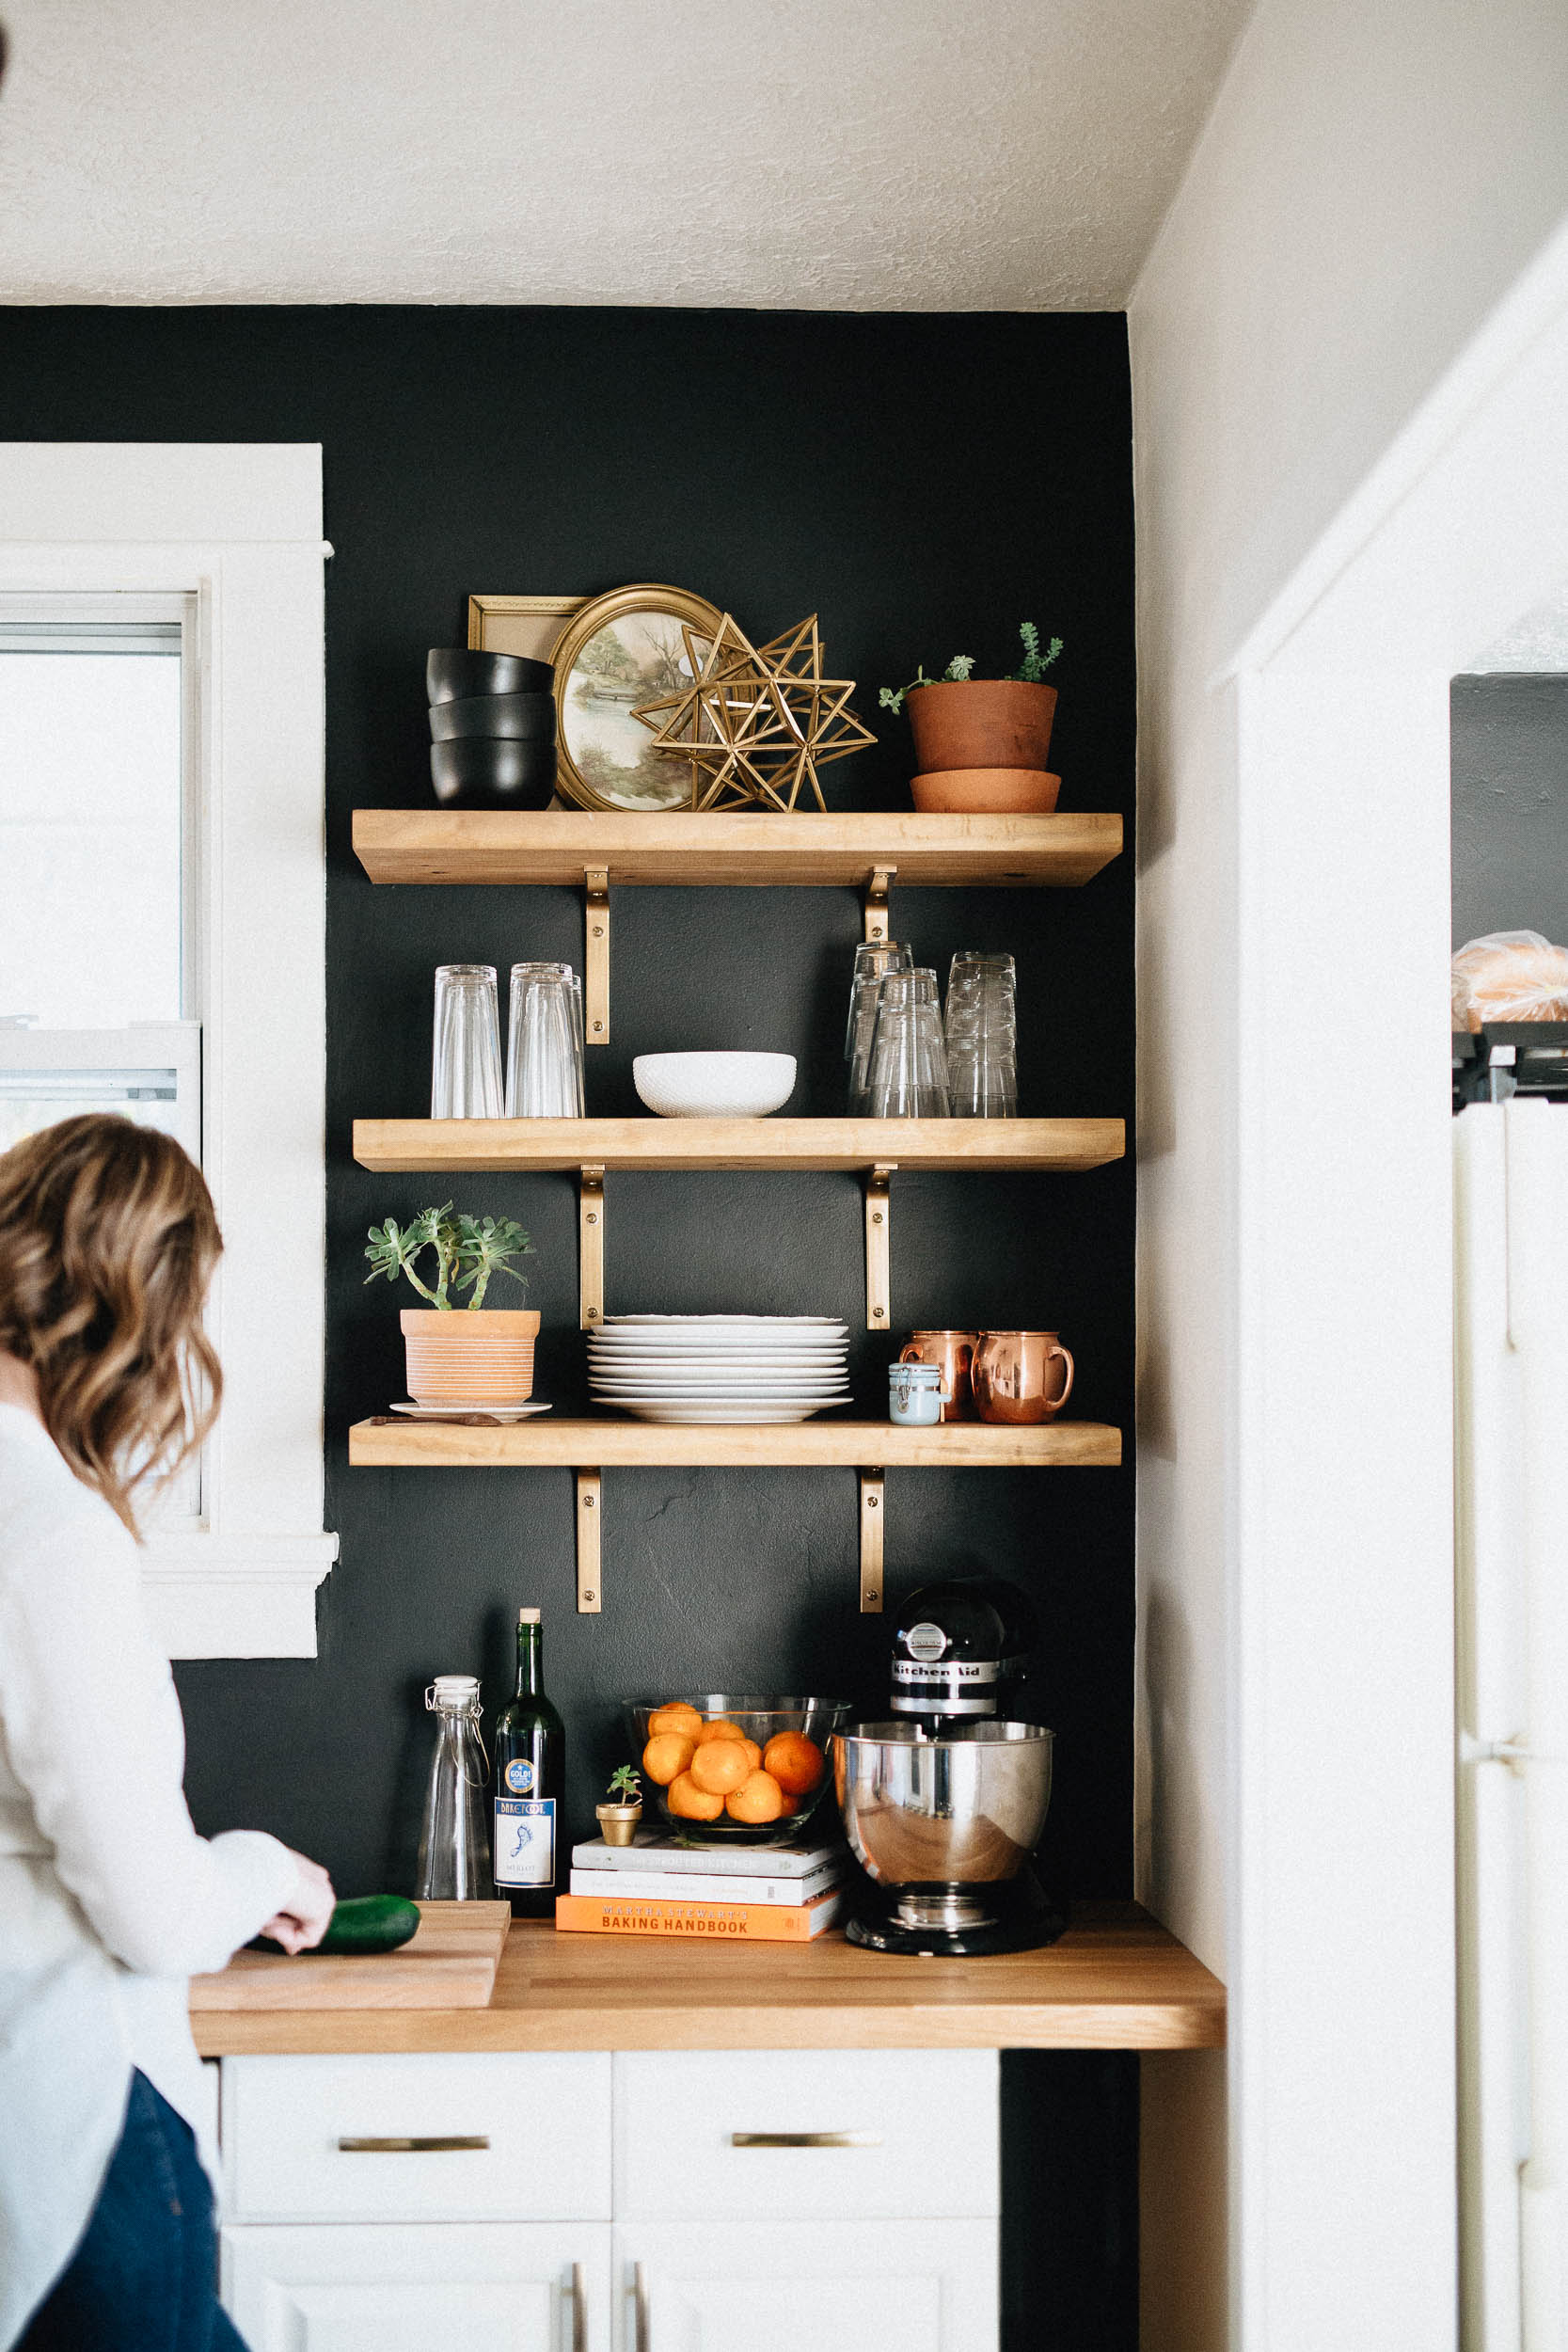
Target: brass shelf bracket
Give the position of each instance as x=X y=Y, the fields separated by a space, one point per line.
x=590 y=1247
x=873 y=1513
x=596 y=978
x=875 y=902
x=879 y=1215
x=590 y=1543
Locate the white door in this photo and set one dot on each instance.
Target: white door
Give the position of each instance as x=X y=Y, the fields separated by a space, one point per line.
x=1512 y=1555
x=486 y=2286
x=880 y=2286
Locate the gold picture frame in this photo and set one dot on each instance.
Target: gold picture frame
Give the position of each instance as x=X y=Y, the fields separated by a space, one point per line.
x=636 y=649
x=531 y=625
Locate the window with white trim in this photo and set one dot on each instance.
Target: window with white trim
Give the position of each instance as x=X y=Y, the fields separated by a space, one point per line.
x=100 y=863
x=161 y=934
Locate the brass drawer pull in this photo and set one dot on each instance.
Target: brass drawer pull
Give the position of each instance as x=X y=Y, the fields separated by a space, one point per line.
x=434 y=2147
x=805 y=2140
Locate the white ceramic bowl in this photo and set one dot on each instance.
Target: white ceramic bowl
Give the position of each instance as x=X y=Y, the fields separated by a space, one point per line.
x=714 y=1085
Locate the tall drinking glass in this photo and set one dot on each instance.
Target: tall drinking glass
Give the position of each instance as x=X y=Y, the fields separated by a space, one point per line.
x=982 y=1036
x=466 y=1066
x=873 y=959
x=908 y=1064
x=544 y=1051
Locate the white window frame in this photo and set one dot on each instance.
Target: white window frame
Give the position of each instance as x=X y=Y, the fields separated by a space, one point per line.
x=238 y=528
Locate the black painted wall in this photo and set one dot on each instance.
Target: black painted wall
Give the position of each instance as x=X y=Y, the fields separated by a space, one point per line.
x=1508 y=750
x=924 y=484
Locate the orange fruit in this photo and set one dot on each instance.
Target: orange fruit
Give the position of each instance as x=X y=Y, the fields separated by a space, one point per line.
x=759 y=1798
x=718 y=1727
x=720 y=1767
x=666 y=1756
x=753 y=1752
x=789 y=1805
x=795 y=1763
x=680 y=1715
x=691 y=1804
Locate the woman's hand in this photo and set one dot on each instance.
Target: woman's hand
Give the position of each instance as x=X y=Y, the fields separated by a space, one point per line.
x=303 y=1921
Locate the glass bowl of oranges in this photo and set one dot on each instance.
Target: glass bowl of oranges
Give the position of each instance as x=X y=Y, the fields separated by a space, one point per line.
x=746 y=1771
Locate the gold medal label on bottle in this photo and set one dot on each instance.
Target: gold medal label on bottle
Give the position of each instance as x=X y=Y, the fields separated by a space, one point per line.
x=525 y=1841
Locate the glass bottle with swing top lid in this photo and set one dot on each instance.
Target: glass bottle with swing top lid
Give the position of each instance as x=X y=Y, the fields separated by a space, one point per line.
x=454 y=1841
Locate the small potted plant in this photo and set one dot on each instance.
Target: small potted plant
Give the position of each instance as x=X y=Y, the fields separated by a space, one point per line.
x=618 y=1819
x=459 y=1359
x=983 y=725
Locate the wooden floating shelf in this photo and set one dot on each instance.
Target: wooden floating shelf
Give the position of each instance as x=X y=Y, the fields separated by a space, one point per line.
x=848 y=1146
x=602 y=1443
x=589 y=1447
x=559 y=846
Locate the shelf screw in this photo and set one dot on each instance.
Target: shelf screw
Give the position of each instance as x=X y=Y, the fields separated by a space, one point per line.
x=593 y=1216
x=875 y=1216
x=597 y=1025
x=871 y=1502
x=588 y=1503
x=587 y=1596
x=599 y=930
x=878 y=1312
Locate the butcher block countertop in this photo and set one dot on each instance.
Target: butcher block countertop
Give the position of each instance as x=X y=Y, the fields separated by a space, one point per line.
x=1114 y=1981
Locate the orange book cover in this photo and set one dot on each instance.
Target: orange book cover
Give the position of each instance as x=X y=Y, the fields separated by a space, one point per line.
x=712 y=1923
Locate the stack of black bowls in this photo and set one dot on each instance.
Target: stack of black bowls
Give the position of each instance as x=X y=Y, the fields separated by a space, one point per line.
x=492 y=729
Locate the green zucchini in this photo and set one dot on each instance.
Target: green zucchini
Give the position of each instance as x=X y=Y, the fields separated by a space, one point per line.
x=370 y=1923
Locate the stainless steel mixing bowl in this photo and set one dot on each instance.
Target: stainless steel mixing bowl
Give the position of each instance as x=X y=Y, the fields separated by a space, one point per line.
x=962 y=1810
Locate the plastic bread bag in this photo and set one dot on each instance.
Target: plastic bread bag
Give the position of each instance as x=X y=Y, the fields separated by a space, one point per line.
x=1509 y=975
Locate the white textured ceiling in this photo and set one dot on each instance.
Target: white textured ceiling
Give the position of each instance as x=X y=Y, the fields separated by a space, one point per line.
x=840 y=155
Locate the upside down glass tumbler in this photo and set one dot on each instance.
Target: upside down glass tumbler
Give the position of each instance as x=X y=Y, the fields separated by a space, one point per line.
x=466 y=1066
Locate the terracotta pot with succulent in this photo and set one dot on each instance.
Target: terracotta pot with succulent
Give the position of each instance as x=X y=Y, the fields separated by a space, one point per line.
x=459 y=1359
x=982 y=743
x=618 y=1819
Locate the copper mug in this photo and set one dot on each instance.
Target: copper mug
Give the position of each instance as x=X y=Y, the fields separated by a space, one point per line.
x=950 y=1351
x=1020 y=1375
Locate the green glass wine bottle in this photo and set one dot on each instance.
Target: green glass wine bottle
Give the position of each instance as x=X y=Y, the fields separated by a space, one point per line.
x=531 y=1770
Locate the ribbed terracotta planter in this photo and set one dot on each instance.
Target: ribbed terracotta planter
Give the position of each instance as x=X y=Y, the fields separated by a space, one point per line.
x=981 y=722
x=460 y=1357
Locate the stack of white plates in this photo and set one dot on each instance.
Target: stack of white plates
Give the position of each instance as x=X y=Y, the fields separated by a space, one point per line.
x=720 y=1368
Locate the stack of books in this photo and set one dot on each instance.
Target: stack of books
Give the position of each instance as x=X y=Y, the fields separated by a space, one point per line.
x=723 y=1895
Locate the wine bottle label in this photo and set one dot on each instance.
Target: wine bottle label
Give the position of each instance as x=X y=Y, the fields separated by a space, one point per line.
x=525 y=1841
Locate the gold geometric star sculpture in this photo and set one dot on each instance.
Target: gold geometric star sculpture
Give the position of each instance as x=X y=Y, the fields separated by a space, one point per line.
x=756 y=722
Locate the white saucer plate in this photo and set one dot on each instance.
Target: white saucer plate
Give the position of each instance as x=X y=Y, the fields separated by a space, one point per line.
x=696 y=1416
x=445 y=1412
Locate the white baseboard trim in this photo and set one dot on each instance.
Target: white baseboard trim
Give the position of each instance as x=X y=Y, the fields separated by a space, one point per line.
x=235 y=1596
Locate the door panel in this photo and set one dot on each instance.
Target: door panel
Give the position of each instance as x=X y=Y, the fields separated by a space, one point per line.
x=900 y=2286
x=480 y=2287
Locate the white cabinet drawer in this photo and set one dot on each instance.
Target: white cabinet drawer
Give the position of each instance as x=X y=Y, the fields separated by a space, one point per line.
x=916 y=2133
x=902 y=2286
x=490 y=2286
x=541 y=2124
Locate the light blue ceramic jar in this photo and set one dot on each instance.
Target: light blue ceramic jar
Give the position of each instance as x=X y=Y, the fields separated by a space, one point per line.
x=915 y=1396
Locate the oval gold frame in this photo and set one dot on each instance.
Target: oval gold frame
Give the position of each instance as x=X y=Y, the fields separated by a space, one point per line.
x=679 y=604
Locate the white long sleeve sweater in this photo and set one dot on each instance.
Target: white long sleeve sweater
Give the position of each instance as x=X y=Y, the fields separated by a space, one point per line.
x=108 y=1898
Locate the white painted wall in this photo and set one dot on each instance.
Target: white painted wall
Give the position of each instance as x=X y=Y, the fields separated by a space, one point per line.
x=1314 y=348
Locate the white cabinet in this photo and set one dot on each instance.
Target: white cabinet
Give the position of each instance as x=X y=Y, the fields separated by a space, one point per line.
x=761 y=2201
x=418 y=2137
x=770 y=2135
x=461 y=2287
x=841 y=2286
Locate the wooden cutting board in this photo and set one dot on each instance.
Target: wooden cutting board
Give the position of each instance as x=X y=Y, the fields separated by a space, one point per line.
x=449 y=1962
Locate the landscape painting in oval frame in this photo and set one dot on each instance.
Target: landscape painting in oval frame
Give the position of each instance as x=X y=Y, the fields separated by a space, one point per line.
x=617 y=651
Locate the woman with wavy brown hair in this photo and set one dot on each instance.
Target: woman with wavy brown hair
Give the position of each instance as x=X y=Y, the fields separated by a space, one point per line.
x=108 y=1898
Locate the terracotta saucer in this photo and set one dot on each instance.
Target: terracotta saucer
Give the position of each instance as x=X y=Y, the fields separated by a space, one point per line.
x=984 y=791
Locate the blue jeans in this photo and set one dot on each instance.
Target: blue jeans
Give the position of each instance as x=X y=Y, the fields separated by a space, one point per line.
x=144 y=2278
